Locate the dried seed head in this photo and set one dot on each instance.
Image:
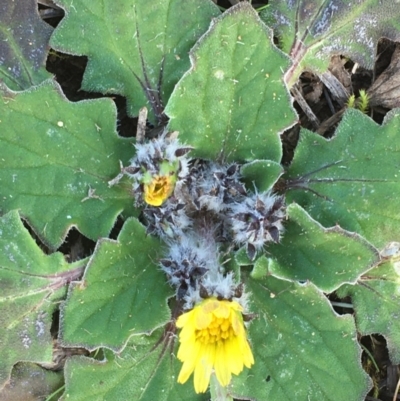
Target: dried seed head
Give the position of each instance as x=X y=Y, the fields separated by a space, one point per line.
x=186 y=263
x=214 y=187
x=169 y=221
x=257 y=220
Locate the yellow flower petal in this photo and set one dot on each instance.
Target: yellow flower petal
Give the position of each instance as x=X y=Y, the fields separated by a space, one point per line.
x=187 y=348
x=182 y=319
x=248 y=358
x=189 y=364
x=222 y=368
x=188 y=330
x=223 y=311
x=237 y=323
x=203 y=369
x=209 y=305
x=203 y=318
x=233 y=356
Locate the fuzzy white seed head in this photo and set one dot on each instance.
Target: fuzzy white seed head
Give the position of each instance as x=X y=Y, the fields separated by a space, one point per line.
x=257 y=221
x=188 y=260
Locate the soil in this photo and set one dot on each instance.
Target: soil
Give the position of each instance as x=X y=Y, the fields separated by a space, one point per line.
x=319 y=109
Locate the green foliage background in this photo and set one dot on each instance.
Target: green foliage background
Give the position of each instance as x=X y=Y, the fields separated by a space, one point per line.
x=218 y=79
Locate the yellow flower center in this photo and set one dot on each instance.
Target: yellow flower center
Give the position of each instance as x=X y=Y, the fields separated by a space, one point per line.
x=158 y=190
x=218 y=331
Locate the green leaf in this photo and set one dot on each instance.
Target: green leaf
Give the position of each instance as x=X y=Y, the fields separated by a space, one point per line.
x=241 y=257
x=311 y=31
x=135 y=49
x=123 y=292
x=350 y=180
x=56 y=158
x=31 y=283
x=144 y=371
x=376 y=300
x=328 y=257
x=24 y=41
x=302 y=349
x=261 y=174
x=29 y=381
x=261 y=268
x=233 y=102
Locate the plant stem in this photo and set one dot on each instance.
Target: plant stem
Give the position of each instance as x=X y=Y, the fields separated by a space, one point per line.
x=218 y=393
x=342 y=304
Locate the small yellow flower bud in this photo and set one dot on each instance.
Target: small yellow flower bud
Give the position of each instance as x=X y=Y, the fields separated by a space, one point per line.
x=158 y=190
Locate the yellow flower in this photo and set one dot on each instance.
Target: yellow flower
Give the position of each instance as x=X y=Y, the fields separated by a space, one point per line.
x=213 y=337
x=158 y=190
